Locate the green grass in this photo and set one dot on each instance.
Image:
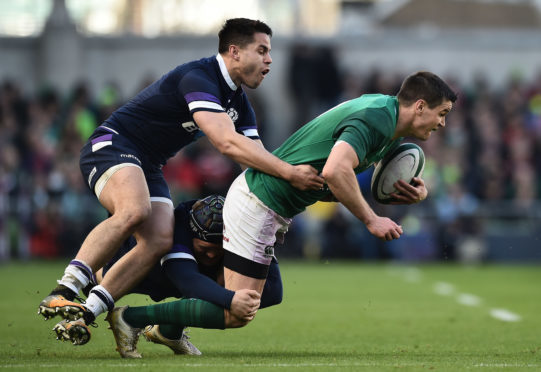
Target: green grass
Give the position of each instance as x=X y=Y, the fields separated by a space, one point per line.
x=335 y=316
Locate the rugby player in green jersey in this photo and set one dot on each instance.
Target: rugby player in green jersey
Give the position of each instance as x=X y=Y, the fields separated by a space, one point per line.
x=340 y=143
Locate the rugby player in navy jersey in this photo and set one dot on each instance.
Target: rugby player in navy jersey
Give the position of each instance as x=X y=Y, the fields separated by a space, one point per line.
x=193 y=269
x=122 y=161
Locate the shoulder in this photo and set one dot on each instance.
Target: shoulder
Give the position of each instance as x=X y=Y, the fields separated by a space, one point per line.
x=377 y=112
x=204 y=69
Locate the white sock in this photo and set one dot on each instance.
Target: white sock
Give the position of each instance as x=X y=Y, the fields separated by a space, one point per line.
x=74 y=279
x=99 y=301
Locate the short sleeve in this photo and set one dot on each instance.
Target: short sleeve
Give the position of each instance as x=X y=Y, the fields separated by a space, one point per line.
x=358 y=136
x=200 y=92
x=247 y=125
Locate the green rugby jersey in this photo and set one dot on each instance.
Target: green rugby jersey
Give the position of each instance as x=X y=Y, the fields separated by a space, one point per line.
x=367 y=123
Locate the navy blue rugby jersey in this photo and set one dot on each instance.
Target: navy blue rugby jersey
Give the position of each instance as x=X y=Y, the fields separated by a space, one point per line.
x=159 y=119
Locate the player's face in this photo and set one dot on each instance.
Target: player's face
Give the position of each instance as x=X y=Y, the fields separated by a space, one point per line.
x=207 y=254
x=255 y=60
x=428 y=120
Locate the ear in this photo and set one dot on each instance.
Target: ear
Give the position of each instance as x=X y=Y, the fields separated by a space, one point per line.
x=234 y=52
x=420 y=106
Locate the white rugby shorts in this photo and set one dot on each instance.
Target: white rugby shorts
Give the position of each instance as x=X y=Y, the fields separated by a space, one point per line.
x=250 y=227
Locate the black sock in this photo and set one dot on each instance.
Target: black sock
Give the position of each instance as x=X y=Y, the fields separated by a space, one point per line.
x=64 y=291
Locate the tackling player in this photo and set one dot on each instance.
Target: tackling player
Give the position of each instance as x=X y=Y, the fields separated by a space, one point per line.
x=193 y=269
x=340 y=143
x=122 y=161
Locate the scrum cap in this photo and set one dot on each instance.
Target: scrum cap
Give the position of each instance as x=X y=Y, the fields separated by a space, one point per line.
x=206 y=218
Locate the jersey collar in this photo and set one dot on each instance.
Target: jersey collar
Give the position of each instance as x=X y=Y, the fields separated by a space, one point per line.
x=225 y=73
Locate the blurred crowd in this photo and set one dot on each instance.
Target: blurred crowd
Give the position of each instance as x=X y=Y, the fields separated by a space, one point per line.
x=488 y=155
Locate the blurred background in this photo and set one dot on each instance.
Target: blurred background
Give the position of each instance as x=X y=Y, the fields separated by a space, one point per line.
x=65 y=65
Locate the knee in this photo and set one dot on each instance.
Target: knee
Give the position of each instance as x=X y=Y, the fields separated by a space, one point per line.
x=134 y=216
x=161 y=243
x=158 y=243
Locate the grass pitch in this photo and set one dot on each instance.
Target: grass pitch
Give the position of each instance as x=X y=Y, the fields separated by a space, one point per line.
x=335 y=316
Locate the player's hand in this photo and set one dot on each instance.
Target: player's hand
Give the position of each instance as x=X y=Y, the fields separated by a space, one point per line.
x=409 y=194
x=384 y=228
x=305 y=177
x=245 y=304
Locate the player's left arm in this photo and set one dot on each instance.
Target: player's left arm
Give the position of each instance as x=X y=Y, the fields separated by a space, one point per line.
x=340 y=176
x=410 y=194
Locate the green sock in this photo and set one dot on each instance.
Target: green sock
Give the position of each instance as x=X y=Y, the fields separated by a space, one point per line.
x=182 y=313
x=171 y=331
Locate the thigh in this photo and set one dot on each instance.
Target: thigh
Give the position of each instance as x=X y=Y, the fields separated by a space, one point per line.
x=250 y=227
x=250 y=230
x=125 y=189
x=235 y=281
x=157 y=230
x=116 y=171
x=104 y=153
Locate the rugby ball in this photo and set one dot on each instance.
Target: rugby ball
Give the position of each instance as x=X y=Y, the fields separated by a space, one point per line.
x=404 y=163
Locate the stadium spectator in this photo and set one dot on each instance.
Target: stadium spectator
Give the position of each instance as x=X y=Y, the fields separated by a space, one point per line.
x=122 y=160
x=478 y=139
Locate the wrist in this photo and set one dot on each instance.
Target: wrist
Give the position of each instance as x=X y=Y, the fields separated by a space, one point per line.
x=287 y=172
x=368 y=217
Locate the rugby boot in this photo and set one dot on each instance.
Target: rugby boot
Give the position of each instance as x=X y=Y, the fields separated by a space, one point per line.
x=126 y=336
x=180 y=346
x=75 y=331
x=57 y=304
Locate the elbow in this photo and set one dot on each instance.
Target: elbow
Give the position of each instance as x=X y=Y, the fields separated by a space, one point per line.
x=334 y=174
x=329 y=174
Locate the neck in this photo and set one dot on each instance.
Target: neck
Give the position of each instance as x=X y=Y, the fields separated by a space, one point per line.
x=404 y=120
x=231 y=69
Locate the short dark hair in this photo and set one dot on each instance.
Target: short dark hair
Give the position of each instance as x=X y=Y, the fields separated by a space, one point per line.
x=425 y=85
x=240 y=31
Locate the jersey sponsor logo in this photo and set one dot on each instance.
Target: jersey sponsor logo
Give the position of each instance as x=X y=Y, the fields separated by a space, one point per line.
x=92 y=173
x=189 y=126
x=130 y=156
x=233 y=114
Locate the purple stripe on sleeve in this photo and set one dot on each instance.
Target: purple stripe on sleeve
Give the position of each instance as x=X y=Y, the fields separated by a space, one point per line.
x=105 y=137
x=200 y=96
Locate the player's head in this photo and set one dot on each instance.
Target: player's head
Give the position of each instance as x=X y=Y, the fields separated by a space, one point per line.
x=207 y=225
x=240 y=32
x=245 y=45
x=425 y=100
x=426 y=86
x=206 y=218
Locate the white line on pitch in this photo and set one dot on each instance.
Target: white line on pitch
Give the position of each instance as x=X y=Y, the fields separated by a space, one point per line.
x=505 y=315
x=468 y=299
x=444 y=289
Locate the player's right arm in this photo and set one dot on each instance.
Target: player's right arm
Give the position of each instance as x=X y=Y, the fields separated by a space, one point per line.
x=220 y=130
x=185 y=276
x=340 y=177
